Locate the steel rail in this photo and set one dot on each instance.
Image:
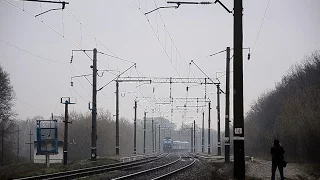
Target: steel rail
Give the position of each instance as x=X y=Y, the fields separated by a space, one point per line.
x=175 y=171
x=147 y=170
x=94 y=170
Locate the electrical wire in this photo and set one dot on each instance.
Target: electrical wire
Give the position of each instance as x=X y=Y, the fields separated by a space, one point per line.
x=96 y=39
x=44 y=58
x=169 y=34
x=47 y=26
x=157 y=38
x=41 y=58
x=116 y=77
x=30 y=105
x=255 y=42
x=116 y=57
x=28 y=52
x=265 y=12
x=78 y=80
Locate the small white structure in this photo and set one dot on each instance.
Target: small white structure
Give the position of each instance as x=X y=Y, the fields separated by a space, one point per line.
x=41 y=159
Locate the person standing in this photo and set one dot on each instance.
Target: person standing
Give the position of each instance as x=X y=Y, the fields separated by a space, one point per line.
x=277 y=152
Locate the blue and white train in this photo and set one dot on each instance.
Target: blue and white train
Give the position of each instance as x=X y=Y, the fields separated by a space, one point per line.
x=173 y=146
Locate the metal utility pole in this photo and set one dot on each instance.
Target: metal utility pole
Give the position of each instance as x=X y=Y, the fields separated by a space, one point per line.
x=117 y=117
x=94 y=108
x=66 y=123
x=209 y=122
x=18 y=143
x=30 y=143
x=218 y=113
x=202 y=137
x=191 y=142
x=238 y=125
x=227 y=126
x=155 y=137
x=152 y=135
x=135 y=129
x=144 y=132
x=159 y=139
x=194 y=136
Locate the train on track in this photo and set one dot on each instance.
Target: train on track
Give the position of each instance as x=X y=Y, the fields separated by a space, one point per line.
x=175 y=146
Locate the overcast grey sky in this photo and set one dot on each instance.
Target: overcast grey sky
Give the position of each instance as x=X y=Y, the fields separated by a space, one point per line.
x=290 y=32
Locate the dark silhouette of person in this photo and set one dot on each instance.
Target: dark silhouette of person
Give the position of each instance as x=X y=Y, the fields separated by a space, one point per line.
x=277 y=152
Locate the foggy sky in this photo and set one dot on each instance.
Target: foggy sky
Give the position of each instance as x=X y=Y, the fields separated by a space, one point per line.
x=290 y=32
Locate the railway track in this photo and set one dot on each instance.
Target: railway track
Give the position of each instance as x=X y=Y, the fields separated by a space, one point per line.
x=161 y=171
x=84 y=172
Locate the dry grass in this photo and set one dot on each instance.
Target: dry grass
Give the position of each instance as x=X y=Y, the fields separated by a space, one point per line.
x=31 y=169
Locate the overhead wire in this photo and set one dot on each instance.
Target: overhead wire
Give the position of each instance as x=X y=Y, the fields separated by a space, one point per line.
x=29 y=105
x=44 y=58
x=172 y=42
x=157 y=36
x=265 y=12
x=62 y=36
x=96 y=39
x=47 y=27
x=256 y=40
x=28 y=52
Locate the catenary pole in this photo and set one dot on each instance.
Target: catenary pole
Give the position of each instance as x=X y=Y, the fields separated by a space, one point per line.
x=152 y=131
x=227 y=126
x=155 y=137
x=218 y=114
x=194 y=136
x=66 y=124
x=209 y=122
x=65 y=143
x=144 y=132
x=117 y=117
x=135 y=129
x=94 y=108
x=159 y=138
x=238 y=125
x=191 y=129
x=202 y=136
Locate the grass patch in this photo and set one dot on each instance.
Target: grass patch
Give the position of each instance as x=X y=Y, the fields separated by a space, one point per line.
x=31 y=169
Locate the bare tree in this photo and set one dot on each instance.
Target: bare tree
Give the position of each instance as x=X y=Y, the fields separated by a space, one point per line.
x=6 y=113
x=291 y=113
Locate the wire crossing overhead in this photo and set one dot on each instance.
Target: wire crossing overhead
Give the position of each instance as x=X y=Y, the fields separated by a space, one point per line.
x=180 y=99
x=179 y=110
x=166 y=80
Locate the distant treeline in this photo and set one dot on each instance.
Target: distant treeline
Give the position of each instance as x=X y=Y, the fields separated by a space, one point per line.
x=291 y=113
x=79 y=138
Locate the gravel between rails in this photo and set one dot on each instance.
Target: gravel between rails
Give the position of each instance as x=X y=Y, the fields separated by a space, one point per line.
x=183 y=162
x=142 y=167
x=200 y=170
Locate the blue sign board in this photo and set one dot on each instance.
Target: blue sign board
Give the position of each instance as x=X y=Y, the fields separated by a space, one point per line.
x=47 y=137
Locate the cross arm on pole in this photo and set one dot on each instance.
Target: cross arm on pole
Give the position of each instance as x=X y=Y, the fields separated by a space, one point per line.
x=63 y=3
x=162 y=7
x=166 y=80
x=203 y=3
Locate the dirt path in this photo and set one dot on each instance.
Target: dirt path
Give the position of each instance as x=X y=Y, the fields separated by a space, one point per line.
x=261 y=169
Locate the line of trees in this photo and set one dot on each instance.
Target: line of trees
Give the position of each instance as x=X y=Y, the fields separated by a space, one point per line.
x=6 y=115
x=291 y=113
